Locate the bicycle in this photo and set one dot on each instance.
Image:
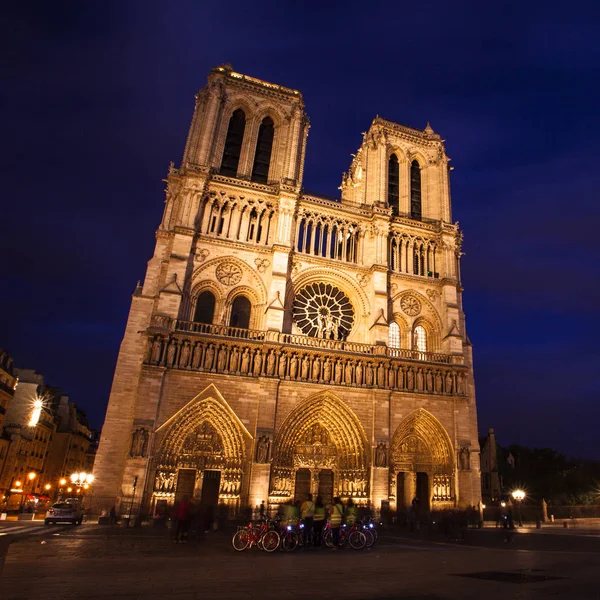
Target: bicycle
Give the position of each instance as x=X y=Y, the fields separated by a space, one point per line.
x=262 y=535
x=355 y=538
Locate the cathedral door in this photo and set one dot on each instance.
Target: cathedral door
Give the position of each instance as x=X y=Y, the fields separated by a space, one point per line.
x=210 y=488
x=326 y=486
x=186 y=480
x=302 y=484
x=423 y=490
x=401 y=489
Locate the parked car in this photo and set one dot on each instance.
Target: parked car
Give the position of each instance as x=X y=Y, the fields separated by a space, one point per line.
x=64 y=512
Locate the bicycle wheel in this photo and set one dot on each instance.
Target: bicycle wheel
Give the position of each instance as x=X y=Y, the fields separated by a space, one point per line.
x=328 y=538
x=270 y=541
x=357 y=540
x=240 y=540
x=370 y=538
x=289 y=541
x=375 y=534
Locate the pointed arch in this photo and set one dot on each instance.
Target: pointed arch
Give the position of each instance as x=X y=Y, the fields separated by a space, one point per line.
x=233 y=143
x=435 y=446
x=415 y=190
x=394 y=184
x=264 y=149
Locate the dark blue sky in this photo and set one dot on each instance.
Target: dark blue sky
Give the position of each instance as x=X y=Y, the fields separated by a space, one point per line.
x=99 y=100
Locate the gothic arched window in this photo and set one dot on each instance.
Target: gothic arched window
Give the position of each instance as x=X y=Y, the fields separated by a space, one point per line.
x=205 y=308
x=264 y=146
x=240 y=313
x=415 y=190
x=419 y=339
x=394 y=335
x=394 y=184
x=233 y=144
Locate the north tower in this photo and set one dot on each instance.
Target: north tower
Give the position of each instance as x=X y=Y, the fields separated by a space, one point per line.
x=283 y=342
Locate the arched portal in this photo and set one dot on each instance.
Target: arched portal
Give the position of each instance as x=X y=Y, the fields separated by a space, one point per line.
x=421 y=463
x=202 y=453
x=323 y=436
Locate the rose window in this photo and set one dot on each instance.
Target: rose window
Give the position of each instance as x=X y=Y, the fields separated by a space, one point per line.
x=321 y=310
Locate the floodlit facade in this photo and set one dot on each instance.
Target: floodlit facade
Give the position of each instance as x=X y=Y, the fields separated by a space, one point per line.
x=285 y=343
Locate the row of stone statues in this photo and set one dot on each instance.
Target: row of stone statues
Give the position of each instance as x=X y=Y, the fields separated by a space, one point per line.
x=304 y=366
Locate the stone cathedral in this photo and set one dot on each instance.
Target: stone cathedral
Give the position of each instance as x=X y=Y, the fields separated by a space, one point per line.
x=284 y=342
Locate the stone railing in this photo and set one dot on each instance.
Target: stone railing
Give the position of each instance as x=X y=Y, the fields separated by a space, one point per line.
x=229 y=350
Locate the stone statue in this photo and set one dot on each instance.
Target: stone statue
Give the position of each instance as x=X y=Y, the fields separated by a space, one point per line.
x=262 y=449
x=369 y=374
x=400 y=378
x=316 y=370
x=410 y=379
x=156 y=348
x=359 y=372
x=209 y=356
x=449 y=382
x=271 y=363
x=349 y=373
x=461 y=384
x=196 y=356
x=221 y=359
x=293 y=366
x=327 y=371
x=185 y=355
x=171 y=354
x=438 y=383
x=305 y=367
x=139 y=442
x=245 y=360
x=381 y=375
x=282 y=365
x=465 y=459
x=391 y=377
x=257 y=362
x=145 y=440
x=420 y=380
x=338 y=371
x=233 y=361
x=381 y=455
x=429 y=380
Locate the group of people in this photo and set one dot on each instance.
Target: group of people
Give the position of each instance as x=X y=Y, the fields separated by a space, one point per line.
x=314 y=515
x=188 y=515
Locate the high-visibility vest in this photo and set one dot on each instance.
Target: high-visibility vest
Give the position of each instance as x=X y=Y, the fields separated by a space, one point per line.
x=350 y=514
x=319 y=513
x=307 y=509
x=337 y=513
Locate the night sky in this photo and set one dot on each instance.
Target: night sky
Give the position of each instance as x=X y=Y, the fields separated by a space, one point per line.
x=98 y=100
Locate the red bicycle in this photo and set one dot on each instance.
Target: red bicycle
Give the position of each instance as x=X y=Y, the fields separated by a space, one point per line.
x=260 y=534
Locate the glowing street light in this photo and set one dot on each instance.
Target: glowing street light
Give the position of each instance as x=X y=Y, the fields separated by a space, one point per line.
x=519 y=496
x=80 y=479
x=47 y=487
x=63 y=481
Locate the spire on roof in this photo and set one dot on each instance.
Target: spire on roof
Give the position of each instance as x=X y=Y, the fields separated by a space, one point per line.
x=428 y=129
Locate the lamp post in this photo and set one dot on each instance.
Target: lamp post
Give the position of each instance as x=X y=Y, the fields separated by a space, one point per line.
x=519 y=496
x=81 y=481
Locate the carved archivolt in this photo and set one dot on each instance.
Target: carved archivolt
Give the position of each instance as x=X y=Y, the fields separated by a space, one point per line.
x=321 y=433
x=422 y=443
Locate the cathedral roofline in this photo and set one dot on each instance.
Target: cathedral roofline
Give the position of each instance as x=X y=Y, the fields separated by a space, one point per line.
x=427 y=133
x=226 y=70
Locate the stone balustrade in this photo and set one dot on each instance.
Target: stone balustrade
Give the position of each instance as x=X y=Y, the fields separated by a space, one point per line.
x=229 y=350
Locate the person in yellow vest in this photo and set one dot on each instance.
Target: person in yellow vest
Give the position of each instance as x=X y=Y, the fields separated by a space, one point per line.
x=335 y=520
x=307 y=512
x=319 y=521
x=350 y=512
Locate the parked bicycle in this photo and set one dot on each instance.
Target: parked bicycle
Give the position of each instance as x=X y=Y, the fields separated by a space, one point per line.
x=350 y=534
x=262 y=535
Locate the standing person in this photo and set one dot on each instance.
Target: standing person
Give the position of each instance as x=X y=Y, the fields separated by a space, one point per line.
x=319 y=521
x=261 y=510
x=112 y=515
x=307 y=512
x=335 y=520
x=350 y=512
x=183 y=513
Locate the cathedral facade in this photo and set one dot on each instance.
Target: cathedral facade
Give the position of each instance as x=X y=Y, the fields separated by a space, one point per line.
x=284 y=342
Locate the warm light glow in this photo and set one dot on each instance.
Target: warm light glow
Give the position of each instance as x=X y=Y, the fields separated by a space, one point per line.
x=518 y=495
x=85 y=486
x=69 y=489
x=47 y=486
x=74 y=477
x=483 y=506
x=90 y=478
x=82 y=476
x=32 y=476
x=38 y=404
x=502 y=504
x=63 y=481
x=17 y=483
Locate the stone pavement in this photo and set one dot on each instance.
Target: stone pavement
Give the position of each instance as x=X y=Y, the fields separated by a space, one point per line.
x=100 y=562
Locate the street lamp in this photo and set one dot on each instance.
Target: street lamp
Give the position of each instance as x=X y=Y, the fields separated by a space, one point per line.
x=519 y=496
x=80 y=479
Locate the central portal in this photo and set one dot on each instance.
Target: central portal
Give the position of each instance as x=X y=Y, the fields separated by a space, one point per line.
x=326 y=486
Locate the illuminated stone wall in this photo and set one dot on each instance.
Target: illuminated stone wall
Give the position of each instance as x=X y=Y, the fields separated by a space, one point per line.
x=314 y=394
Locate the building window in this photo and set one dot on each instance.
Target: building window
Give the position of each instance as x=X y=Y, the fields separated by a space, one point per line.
x=419 y=339
x=233 y=144
x=394 y=184
x=240 y=313
x=415 y=190
x=264 y=146
x=205 y=308
x=394 y=335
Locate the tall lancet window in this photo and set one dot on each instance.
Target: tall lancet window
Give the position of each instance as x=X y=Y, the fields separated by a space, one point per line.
x=393 y=184
x=264 y=146
x=415 y=190
x=233 y=144
x=205 y=308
